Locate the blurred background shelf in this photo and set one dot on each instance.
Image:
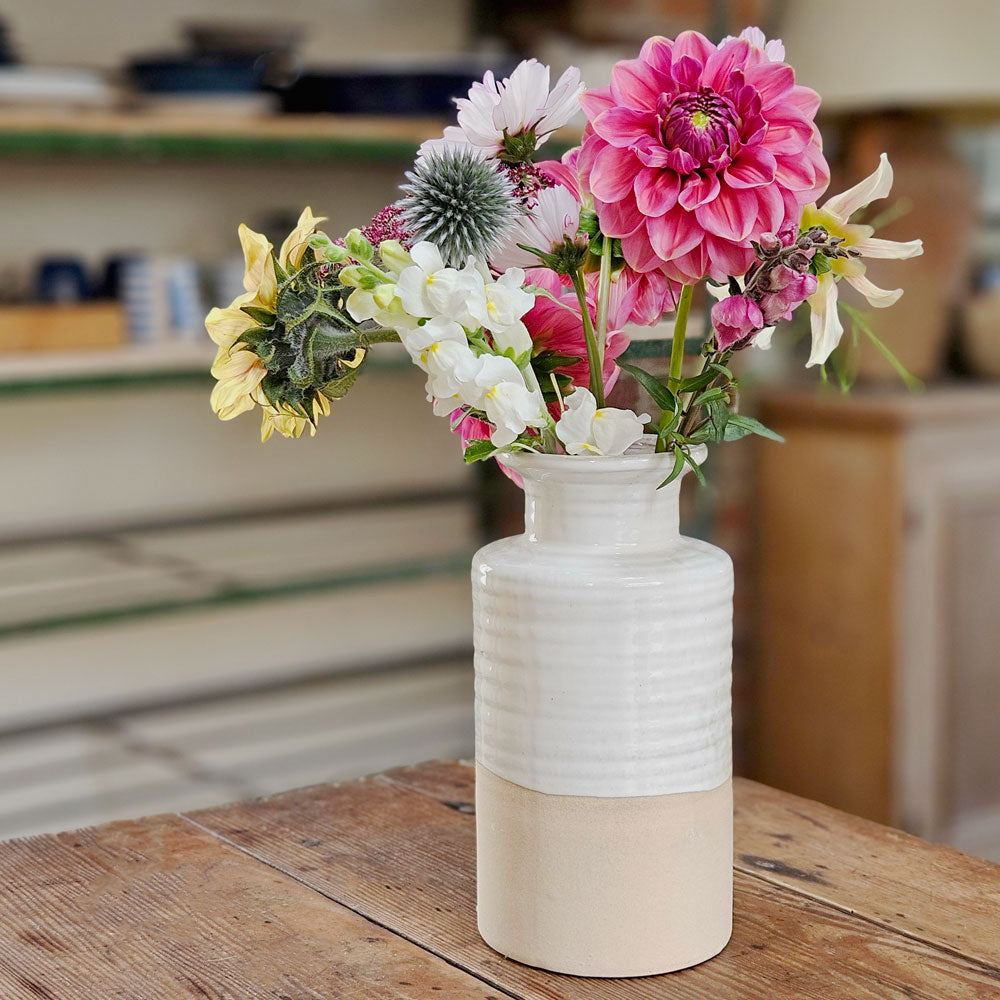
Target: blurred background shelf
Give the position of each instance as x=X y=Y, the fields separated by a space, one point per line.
x=296 y=138
x=131 y=366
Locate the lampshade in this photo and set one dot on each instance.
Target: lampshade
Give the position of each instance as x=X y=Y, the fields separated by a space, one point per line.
x=869 y=54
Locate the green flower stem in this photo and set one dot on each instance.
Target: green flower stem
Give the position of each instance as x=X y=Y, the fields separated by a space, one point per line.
x=379 y=335
x=335 y=340
x=604 y=296
x=594 y=359
x=680 y=333
x=549 y=430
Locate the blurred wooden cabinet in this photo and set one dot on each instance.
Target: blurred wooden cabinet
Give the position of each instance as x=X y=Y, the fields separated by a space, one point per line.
x=877 y=686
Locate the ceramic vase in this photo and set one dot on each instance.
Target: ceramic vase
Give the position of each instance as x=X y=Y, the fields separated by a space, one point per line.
x=603 y=725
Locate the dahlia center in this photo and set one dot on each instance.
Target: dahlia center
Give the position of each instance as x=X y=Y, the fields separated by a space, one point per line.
x=700 y=122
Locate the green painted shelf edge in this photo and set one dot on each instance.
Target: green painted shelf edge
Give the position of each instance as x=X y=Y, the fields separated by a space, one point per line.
x=456 y=564
x=43 y=143
x=108 y=145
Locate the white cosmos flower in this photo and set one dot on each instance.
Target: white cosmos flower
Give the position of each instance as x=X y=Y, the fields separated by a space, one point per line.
x=774 y=49
x=499 y=390
x=512 y=106
x=555 y=217
x=584 y=429
x=834 y=216
x=429 y=289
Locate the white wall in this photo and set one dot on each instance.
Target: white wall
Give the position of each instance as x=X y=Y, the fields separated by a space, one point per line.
x=104 y=32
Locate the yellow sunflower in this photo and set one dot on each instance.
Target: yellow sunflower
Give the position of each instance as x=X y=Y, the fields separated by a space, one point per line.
x=238 y=370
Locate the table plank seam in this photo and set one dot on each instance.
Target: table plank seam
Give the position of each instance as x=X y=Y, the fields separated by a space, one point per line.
x=987 y=968
x=499 y=988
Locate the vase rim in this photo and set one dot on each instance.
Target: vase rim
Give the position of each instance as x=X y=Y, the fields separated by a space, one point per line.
x=639 y=458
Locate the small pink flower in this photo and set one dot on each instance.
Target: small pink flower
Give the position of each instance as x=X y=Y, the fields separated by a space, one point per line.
x=735 y=319
x=698 y=149
x=780 y=304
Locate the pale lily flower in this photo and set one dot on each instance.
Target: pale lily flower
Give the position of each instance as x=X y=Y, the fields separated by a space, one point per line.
x=586 y=430
x=520 y=104
x=499 y=390
x=835 y=216
x=554 y=219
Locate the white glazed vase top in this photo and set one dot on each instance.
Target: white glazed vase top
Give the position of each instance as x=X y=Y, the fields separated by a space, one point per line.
x=603 y=636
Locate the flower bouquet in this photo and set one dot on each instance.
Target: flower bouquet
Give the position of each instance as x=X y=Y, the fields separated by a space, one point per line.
x=603 y=637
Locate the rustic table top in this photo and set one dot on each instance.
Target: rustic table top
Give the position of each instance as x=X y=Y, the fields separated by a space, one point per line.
x=367 y=889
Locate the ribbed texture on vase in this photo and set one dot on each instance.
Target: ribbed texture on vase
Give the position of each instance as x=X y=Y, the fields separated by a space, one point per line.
x=604 y=671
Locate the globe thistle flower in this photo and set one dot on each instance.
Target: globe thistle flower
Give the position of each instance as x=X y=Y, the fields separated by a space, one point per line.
x=460 y=202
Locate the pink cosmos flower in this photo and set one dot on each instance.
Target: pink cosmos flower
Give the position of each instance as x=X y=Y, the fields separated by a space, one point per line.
x=696 y=150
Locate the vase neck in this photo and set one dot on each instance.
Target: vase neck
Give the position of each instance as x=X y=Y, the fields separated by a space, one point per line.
x=603 y=502
x=601 y=513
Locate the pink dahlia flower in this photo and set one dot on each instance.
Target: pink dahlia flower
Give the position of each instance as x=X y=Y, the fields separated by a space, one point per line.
x=698 y=149
x=653 y=293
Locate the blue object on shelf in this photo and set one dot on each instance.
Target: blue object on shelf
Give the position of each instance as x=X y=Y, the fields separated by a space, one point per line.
x=61 y=279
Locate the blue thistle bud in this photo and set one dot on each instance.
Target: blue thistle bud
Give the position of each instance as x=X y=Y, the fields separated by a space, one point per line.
x=461 y=202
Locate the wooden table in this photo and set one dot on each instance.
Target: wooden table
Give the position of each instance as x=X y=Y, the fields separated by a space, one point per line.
x=367 y=890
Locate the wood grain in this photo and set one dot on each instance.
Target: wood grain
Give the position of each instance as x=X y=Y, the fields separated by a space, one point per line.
x=160 y=909
x=399 y=849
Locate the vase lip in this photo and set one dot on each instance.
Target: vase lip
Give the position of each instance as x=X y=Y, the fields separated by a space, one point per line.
x=639 y=459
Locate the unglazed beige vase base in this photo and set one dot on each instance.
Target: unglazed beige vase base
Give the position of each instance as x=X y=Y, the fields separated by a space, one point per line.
x=604 y=886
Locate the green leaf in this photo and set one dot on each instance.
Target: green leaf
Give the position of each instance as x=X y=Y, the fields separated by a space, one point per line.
x=695 y=468
x=279 y=272
x=709 y=396
x=820 y=264
x=548 y=361
x=677 y=469
x=264 y=317
x=718 y=416
x=479 y=451
x=699 y=381
x=658 y=392
x=748 y=425
x=910 y=381
x=256 y=336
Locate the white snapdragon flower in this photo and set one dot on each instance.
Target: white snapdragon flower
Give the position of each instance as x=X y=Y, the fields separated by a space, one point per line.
x=555 y=217
x=438 y=346
x=429 y=289
x=499 y=390
x=505 y=301
x=494 y=110
x=381 y=305
x=584 y=429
